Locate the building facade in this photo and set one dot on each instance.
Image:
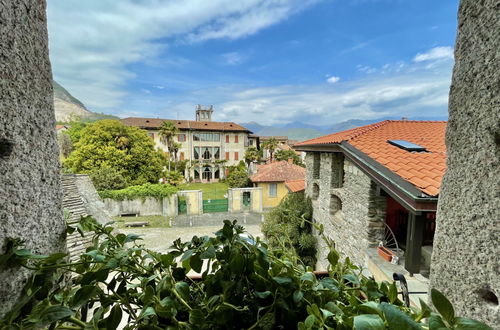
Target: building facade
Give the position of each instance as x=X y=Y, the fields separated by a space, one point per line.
x=208 y=146
x=378 y=185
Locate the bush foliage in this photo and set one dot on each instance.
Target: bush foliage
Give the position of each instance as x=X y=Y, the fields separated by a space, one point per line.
x=288 y=225
x=244 y=285
x=110 y=144
x=158 y=191
x=238 y=176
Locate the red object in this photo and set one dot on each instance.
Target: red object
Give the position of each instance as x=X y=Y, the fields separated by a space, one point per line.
x=236 y=155
x=236 y=139
x=227 y=155
x=227 y=138
x=385 y=253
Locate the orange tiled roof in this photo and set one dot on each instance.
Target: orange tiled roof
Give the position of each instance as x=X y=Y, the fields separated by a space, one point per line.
x=296 y=185
x=154 y=123
x=422 y=169
x=278 y=172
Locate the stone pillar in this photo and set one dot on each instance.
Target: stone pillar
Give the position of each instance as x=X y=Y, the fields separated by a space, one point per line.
x=30 y=187
x=465 y=262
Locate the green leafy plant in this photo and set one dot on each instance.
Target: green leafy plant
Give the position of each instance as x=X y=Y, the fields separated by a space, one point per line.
x=289 y=154
x=288 y=226
x=243 y=285
x=238 y=176
x=157 y=191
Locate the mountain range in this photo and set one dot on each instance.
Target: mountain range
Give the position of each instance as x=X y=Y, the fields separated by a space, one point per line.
x=68 y=108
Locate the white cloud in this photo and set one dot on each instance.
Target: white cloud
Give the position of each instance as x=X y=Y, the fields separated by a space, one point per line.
x=436 y=53
x=332 y=80
x=233 y=58
x=93 y=41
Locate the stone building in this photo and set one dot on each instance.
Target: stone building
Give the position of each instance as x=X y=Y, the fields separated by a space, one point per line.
x=209 y=146
x=30 y=187
x=377 y=182
x=466 y=257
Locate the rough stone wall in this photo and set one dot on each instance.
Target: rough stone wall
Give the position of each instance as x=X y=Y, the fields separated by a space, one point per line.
x=142 y=207
x=357 y=224
x=30 y=192
x=466 y=255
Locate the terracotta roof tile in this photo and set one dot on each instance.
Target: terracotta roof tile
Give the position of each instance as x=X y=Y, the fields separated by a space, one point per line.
x=422 y=169
x=278 y=172
x=154 y=123
x=296 y=185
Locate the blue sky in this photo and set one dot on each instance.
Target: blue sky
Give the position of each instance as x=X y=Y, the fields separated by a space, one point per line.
x=270 y=61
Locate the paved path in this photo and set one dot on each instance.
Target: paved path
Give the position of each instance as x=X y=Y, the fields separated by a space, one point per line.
x=160 y=239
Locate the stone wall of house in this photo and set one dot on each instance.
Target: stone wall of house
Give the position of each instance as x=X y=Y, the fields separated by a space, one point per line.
x=30 y=187
x=465 y=262
x=345 y=201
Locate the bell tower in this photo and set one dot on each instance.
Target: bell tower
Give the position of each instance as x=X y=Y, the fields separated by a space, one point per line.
x=204 y=114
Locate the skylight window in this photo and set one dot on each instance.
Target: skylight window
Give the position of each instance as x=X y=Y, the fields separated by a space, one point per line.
x=406 y=145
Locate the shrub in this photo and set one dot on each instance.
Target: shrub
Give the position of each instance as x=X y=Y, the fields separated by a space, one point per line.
x=158 y=191
x=289 y=225
x=108 y=179
x=238 y=176
x=173 y=178
x=246 y=286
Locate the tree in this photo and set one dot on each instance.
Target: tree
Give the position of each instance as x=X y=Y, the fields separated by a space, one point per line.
x=65 y=144
x=270 y=145
x=285 y=227
x=289 y=154
x=252 y=155
x=168 y=130
x=126 y=150
x=238 y=176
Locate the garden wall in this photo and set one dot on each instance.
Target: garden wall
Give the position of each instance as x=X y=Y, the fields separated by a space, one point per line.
x=142 y=207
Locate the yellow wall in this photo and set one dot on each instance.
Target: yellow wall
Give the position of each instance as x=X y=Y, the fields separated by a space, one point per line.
x=267 y=201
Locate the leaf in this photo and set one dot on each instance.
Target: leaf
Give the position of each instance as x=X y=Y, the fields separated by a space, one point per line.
x=209 y=253
x=309 y=322
x=131 y=238
x=261 y=295
x=297 y=296
x=392 y=294
x=148 y=295
x=196 y=263
x=397 y=320
x=183 y=289
x=95 y=255
x=55 y=256
x=187 y=255
x=443 y=306
x=55 y=313
x=369 y=322
x=114 y=318
x=351 y=278
x=436 y=323
x=83 y=295
x=282 y=280
x=237 y=263
x=332 y=307
x=462 y=323
x=149 y=311
x=371 y=307
x=333 y=257
x=196 y=317
x=326 y=313
x=308 y=277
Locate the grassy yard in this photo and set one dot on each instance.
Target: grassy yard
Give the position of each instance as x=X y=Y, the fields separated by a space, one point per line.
x=155 y=221
x=215 y=190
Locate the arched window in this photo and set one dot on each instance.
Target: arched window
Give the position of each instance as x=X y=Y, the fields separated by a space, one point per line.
x=207 y=173
x=335 y=204
x=216 y=173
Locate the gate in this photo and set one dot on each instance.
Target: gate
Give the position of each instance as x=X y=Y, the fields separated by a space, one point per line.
x=181 y=206
x=215 y=205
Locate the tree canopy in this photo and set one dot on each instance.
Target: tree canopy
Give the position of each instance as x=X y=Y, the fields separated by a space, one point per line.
x=110 y=144
x=270 y=145
x=287 y=154
x=252 y=155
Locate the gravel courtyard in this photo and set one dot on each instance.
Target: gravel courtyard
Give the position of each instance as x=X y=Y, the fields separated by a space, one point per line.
x=160 y=239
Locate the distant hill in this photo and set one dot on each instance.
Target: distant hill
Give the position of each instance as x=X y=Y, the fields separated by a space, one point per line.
x=300 y=131
x=293 y=133
x=68 y=108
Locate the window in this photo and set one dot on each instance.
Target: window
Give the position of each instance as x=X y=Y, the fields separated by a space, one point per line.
x=227 y=155
x=182 y=155
x=406 y=145
x=227 y=138
x=250 y=142
x=196 y=173
x=181 y=137
x=245 y=141
x=196 y=152
x=316 y=165
x=152 y=135
x=217 y=173
x=216 y=152
x=335 y=204
x=207 y=173
x=206 y=153
x=337 y=170
x=236 y=155
x=236 y=138
x=273 y=190
x=211 y=137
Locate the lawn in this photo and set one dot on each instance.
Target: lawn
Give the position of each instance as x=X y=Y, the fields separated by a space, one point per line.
x=155 y=221
x=215 y=190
